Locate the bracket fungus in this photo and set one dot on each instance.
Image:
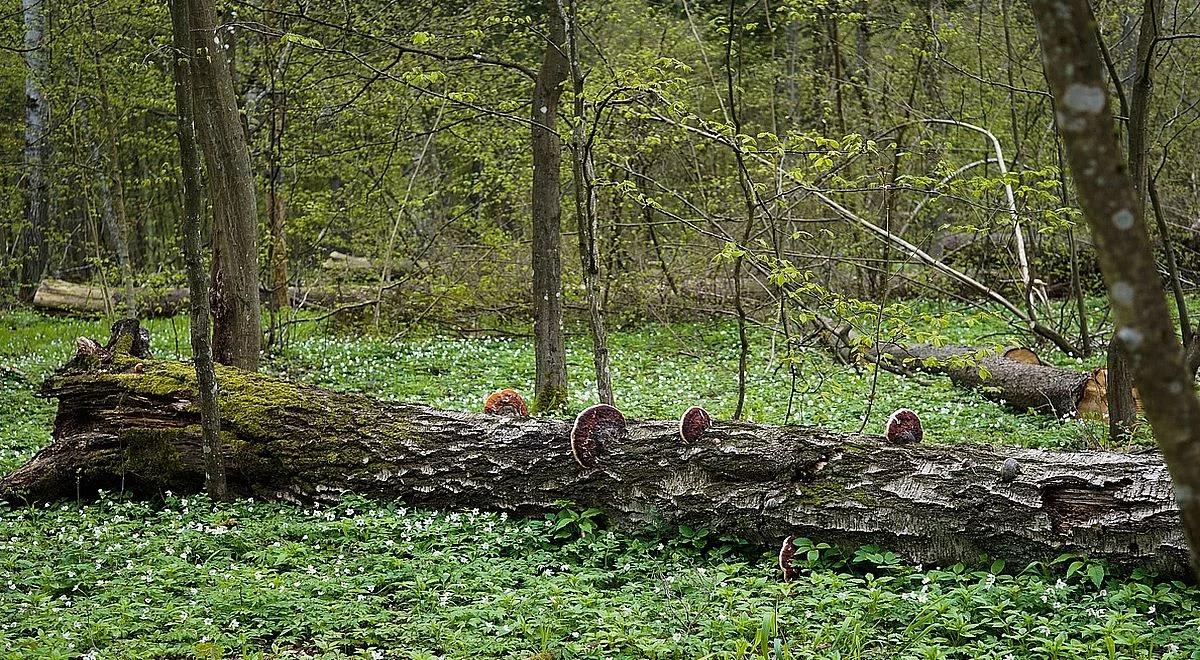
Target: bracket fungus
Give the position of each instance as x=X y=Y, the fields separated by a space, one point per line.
x=594 y=428
x=1009 y=470
x=904 y=428
x=786 y=552
x=694 y=423
x=507 y=403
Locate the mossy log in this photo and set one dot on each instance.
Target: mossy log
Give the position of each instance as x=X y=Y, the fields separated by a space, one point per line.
x=128 y=421
x=1014 y=376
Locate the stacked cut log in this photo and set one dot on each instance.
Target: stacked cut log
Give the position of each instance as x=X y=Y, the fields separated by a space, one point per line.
x=1014 y=376
x=126 y=420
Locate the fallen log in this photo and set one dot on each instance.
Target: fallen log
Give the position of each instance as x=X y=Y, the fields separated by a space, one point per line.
x=61 y=296
x=1014 y=376
x=128 y=421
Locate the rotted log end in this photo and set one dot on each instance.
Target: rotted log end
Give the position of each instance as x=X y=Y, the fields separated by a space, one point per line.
x=126 y=339
x=1022 y=354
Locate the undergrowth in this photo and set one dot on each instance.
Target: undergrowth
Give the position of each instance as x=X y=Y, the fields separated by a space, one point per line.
x=185 y=577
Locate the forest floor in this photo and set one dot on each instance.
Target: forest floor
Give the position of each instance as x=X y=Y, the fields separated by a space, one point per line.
x=186 y=577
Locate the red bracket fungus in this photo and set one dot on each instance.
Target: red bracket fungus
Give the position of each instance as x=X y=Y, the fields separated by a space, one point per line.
x=786 y=552
x=694 y=423
x=506 y=402
x=904 y=428
x=593 y=429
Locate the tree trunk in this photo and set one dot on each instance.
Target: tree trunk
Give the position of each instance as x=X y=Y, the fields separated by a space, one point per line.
x=276 y=61
x=237 y=319
x=115 y=200
x=31 y=243
x=1108 y=200
x=128 y=421
x=1122 y=413
x=584 y=175
x=193 y=207
x=550 y=389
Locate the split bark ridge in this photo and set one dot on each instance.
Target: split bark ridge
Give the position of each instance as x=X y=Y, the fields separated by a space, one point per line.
x=125 y=420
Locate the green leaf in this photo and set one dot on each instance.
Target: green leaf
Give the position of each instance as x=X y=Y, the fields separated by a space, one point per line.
x=293 y=38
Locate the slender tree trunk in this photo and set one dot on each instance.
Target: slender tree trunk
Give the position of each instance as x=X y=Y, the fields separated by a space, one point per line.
x=275 y=60
x=237 y=318
x=32 y=246
x=550 y=390
x=585 y=209
x=193 y=206
x=116 y=185
x=1121 y=408
x=1109 y=201
x=747 y=187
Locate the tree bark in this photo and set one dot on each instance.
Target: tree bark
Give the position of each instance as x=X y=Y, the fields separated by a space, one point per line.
x=1109 y=202
x=550 y=388
x=193 y=207
x=128 y=421
x=583 y=170
x=1122 y=411
x=237 y=319
x=115 y=203
x=31 y=242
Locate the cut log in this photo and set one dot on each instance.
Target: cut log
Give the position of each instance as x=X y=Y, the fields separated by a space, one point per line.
x=1020 y=384
x=128 y=421
x=60 y=296
x=340 y=264
x=1014 y=376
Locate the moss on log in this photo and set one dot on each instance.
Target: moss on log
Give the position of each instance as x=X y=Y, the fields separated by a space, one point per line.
x=127 y=420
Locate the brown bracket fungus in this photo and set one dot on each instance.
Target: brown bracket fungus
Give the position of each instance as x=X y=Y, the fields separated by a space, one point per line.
x=507 y=403
x=904 y=428
x=694 y=423
x=594 y=428
x=786 y=552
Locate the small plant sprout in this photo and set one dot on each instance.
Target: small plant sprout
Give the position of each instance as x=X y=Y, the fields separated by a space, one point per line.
x=786 y=552
x=694 y=423
x=903 y=428
x=595 y=428
x=506 y=403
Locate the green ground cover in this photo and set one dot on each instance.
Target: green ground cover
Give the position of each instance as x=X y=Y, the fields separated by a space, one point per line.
x=185 y=577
